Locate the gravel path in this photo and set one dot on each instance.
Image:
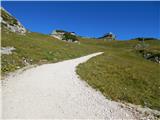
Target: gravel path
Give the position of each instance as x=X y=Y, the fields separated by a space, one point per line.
x=54 y=91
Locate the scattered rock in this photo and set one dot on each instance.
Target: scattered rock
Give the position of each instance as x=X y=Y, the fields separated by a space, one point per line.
x=25 y=61
x=152 y=55
x=143 y=113
x=7 y=50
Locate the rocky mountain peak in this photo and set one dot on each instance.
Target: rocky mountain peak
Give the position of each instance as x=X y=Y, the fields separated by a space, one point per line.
x=11 y=23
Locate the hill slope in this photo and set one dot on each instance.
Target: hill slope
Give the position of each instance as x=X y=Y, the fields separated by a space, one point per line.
x=121 y=73
x=35 y=48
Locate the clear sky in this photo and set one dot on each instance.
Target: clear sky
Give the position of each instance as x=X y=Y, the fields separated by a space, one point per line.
x=93 y=19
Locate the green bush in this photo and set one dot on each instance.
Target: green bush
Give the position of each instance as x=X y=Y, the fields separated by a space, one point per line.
x=69 y=36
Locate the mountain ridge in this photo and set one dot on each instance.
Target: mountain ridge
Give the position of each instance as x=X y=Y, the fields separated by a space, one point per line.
x=11 y=23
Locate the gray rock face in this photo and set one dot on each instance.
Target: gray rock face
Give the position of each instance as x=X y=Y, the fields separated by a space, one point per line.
x=9 y=22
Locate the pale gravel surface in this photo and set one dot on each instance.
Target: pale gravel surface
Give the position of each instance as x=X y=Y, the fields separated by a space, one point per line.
x=54 y=91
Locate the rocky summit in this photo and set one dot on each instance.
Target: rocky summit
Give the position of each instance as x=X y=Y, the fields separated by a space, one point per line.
x=108 y=36
x=64 y=35
x=11 y=23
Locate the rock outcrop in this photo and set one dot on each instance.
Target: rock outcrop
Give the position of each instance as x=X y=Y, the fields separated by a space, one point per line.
x=11 y=23
x=7 y=50
x=147 y=53
x=109 y=36
x=64 y=35
x=155 y=57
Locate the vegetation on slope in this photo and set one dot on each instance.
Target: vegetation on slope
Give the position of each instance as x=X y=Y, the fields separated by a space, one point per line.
x=8 y=18
x=122 y=73
x=35 y=48
x=67 y=36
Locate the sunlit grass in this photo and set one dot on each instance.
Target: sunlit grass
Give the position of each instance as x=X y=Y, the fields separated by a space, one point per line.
x=123 y=75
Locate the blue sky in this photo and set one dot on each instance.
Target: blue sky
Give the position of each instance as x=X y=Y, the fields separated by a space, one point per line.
x=93 y=19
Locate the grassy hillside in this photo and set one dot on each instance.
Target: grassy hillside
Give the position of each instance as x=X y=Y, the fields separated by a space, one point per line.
x=35 y=48
x=122 y=73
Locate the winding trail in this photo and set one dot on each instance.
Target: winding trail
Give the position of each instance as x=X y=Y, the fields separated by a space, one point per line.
x=54 y=91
